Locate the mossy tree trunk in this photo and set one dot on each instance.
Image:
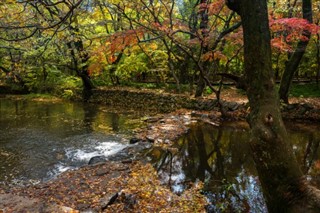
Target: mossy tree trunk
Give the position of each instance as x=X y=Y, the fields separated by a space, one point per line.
x=283 y=184
x=80 y=64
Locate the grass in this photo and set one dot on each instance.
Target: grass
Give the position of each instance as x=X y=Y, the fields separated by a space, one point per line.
x=42 y=96
x=305 y=90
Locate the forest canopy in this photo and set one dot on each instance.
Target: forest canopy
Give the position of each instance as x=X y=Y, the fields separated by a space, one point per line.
x=58 y=46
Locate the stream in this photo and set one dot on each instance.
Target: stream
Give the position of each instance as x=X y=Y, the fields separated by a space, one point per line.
x=220 y=158
x=39 y=140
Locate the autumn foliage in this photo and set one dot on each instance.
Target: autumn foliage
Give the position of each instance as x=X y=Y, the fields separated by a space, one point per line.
x=144 y=193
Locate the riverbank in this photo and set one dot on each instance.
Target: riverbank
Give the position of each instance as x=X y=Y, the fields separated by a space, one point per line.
x=234 y=103
x=126 y=185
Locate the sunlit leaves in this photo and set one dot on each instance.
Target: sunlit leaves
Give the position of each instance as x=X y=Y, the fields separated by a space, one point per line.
x=149 y=195
x=286 y=29
x=132 y=65
x=119 y=41
x=114 y=29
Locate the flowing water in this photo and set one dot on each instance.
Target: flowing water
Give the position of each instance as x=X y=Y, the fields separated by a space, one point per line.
x=39 y=140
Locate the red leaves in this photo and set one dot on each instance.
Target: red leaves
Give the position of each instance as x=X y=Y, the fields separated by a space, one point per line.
x=289 y=30
x=293 y=24
x=215 y=7
x=119 y=41
x=214 y=55
x=202 y=7
x=279 y=43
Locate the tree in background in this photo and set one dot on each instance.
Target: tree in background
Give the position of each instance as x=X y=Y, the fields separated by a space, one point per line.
x=293 y=62
x=124 y=42
x=35 y=28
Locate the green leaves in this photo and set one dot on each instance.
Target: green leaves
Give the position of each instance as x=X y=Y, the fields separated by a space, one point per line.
x=132 y=65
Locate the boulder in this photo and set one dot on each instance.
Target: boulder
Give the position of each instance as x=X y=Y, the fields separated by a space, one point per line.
x=134 y=140
x=97 y=159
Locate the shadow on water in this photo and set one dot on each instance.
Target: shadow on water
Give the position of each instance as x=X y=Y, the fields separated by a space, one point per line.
x=220 y=157
x=39 y=140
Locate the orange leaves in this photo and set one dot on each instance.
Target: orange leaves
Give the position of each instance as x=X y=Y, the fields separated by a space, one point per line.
x=293 y=24
x=280 y=44
x=289 y=30
x=214 y=55
x=112 y=59
x=119 y=41
x=215 y=7
x=202 y=7
x=107 y=54
x=97 y=60
x=149 y=195
x=317 y=165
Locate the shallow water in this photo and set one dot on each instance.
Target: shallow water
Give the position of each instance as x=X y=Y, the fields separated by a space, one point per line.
x=220 y=157
x=39 y=140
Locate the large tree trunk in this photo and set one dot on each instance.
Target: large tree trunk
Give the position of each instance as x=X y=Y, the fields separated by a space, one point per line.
x=81 y=72
x=282 y=181
x=79 y=54
x=203 y=13
x=295 y=58
x=201 y=85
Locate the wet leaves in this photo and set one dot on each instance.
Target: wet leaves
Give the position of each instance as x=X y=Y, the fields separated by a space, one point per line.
x=80 y=189
x=144 y=193
x=164 y=130
x=134 y=188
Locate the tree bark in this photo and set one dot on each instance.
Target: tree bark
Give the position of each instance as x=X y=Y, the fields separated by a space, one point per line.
x=203 y=13
x=79 y=54
x=318 y=58
x=295 y=58
x=282 y=181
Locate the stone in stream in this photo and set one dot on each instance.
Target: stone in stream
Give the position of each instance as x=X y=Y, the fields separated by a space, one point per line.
x=134 y=140
x=96 y=159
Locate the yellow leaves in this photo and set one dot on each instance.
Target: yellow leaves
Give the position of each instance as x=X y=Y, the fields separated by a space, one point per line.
x=114 y=1
x=153 y=46
x=151 y=196
x=4 y=2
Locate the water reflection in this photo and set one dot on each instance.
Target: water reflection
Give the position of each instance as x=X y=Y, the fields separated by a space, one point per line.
x=39 y=140
x=220 y=157
x=90 y=112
